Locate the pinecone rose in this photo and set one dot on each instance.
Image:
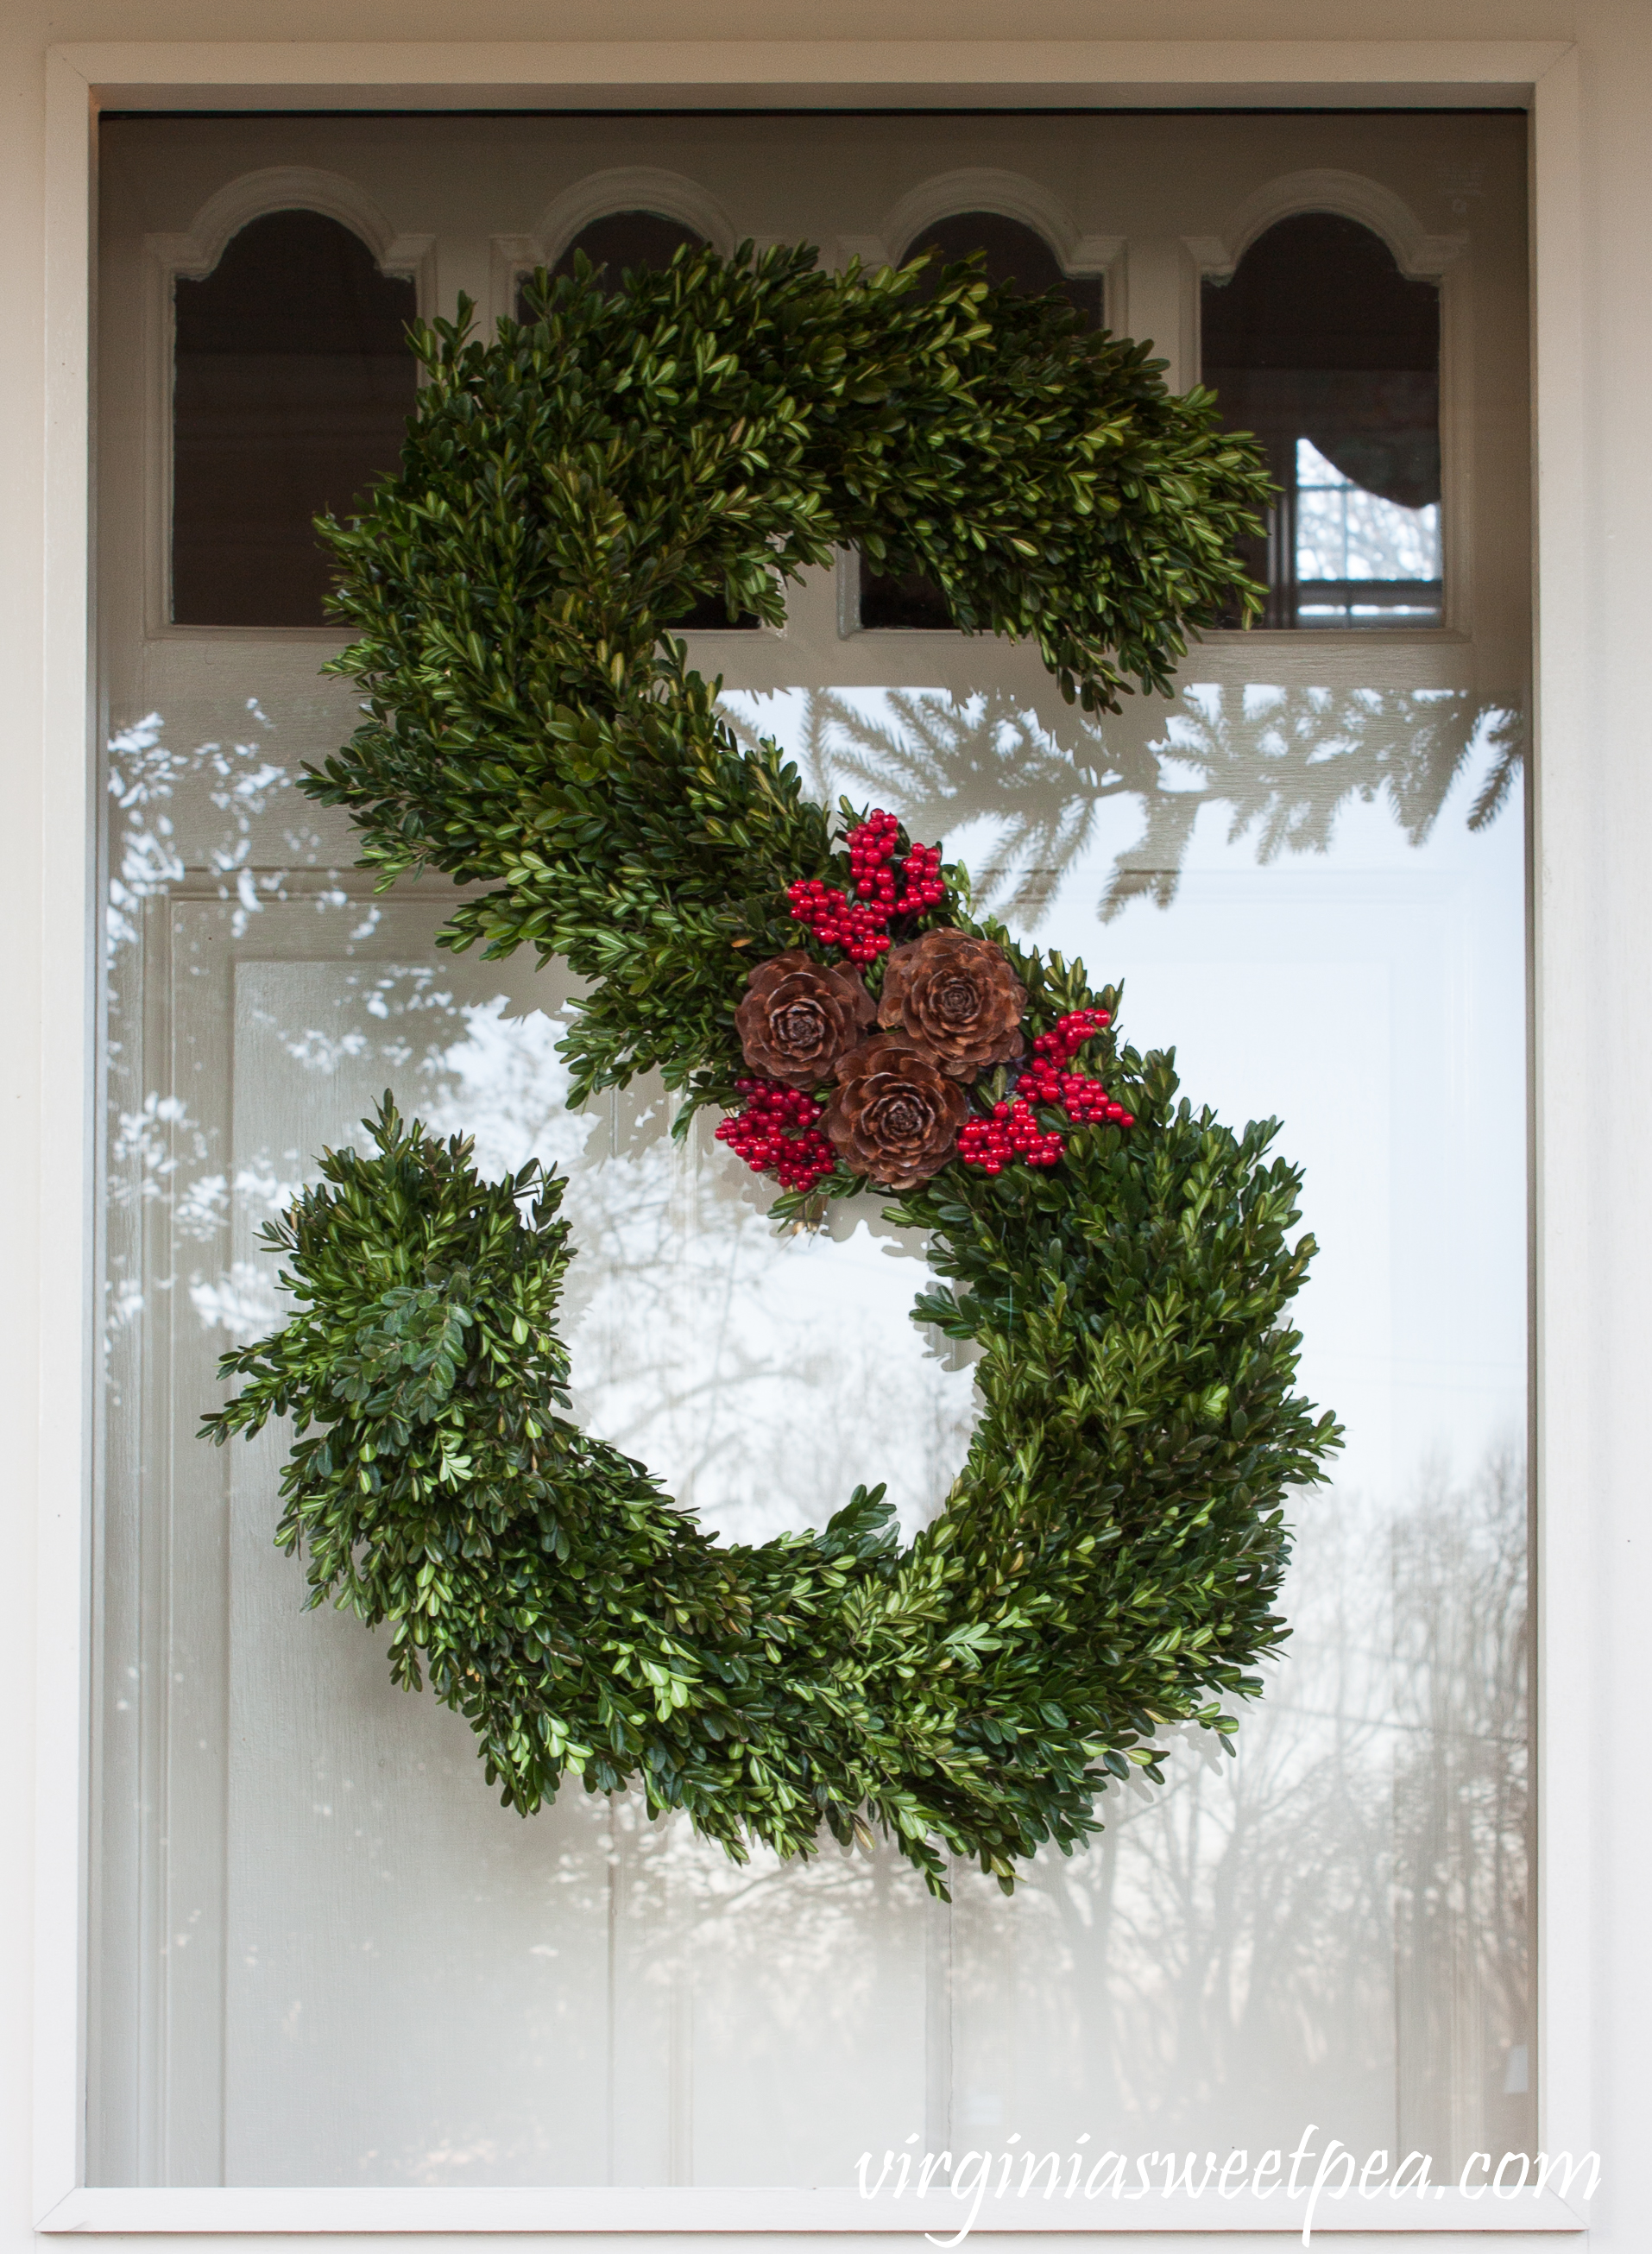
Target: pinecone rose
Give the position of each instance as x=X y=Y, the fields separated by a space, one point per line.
x=797 y=1016
x=894 y=1115
x=957 y=997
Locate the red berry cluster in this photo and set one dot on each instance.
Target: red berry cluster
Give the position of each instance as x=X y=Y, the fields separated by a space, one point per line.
x=1012 y=1132
x=1069 y=1034
x=861 y=927
x=774 y=1132
x=1009 y=1132
x=871 y=848
x=827 y=913
x=1047 y=1080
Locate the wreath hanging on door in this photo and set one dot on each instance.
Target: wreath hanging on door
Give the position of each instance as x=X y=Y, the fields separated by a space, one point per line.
x=1110 y=1557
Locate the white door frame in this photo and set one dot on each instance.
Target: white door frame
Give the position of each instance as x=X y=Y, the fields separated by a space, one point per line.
x=1569 y=950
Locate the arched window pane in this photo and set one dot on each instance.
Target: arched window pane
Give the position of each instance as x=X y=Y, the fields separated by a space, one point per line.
x=1321 y=346
x=1016 y=254
x=617 y=244
x=619 y=240
x=291 y=388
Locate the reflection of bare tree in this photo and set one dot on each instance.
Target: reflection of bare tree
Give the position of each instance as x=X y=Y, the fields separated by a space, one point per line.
x=1282 y=762
x=1462 y=1813
x=697 y=1350
x=762 y=1378
x=1340 y=1915
x=1220 y=1960
x=1333 y=1928
x=1258 y=1950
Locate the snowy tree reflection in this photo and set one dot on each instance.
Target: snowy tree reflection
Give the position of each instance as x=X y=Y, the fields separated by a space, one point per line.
x=218 y=807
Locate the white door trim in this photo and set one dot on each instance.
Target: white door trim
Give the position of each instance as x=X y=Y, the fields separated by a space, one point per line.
x=83 y=79
x=683 y=73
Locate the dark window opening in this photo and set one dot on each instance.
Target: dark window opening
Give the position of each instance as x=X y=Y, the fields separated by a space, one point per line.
x=619 y=240
x=292 y=386
x=1016 y=254
x=616 y=244
x=1330 y=355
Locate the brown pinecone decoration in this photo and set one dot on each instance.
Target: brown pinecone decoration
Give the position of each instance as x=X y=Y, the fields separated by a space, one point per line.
x=894 y=1115
x=797 y=1016
x=957 y=997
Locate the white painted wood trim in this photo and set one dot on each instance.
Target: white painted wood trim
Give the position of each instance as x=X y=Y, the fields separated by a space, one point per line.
x=1356 y=195
x=988 y=188
x=391 y=74
x=980 y=187
x=619 y=188
x=197 y=247
x=1358 y=74
x=632 y=187
x=1569 y=807
x=69 y=937
x=732 y=2213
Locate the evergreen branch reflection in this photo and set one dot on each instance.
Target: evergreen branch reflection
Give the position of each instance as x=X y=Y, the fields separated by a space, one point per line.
x=1282 y=765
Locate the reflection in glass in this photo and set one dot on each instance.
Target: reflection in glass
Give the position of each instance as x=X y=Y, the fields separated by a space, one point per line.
x=1332 y=1927
x=1320 y=346
x=1316 y=893
x=371 y=1888
x=292 y=390
x=1025 y=788
x=1014 y=253
x=1345 y=534
x=319 y=1950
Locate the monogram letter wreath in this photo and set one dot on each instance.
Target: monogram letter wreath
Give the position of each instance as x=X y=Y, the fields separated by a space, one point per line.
x=1110 y=1557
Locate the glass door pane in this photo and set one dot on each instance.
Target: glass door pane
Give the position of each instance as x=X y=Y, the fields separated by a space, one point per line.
x=322 y=1952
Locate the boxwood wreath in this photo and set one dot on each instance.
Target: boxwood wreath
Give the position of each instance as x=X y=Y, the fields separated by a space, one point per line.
x=1109 y=1560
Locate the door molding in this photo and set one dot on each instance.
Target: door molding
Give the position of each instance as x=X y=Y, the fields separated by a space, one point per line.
x=1571 y=1459
x=1353 y=195
x=982 y=187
